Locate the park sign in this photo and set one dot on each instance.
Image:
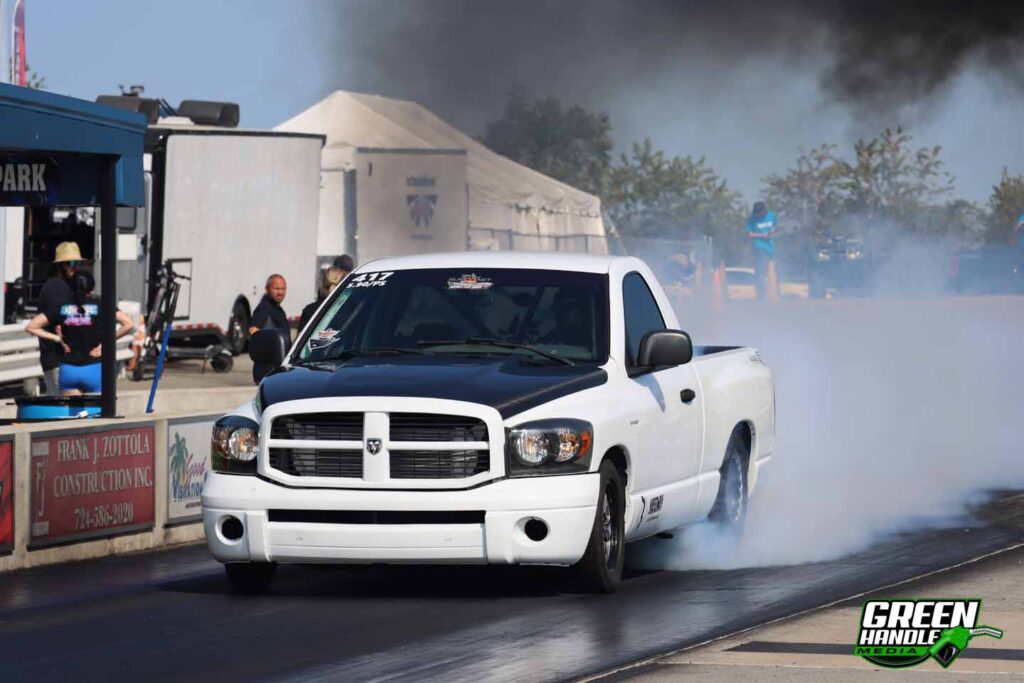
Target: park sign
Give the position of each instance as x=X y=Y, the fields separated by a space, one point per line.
x=43 y=179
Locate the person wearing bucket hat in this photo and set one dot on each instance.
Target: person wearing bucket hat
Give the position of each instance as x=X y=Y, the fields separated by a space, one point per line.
x=80 y=335
x=57 y=292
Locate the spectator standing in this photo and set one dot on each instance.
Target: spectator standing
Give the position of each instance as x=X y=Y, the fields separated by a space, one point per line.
x=268 y=313
x=761 y=229
x=80 y=335
x=345 y=262
x=270 y=316
x=330 y=279
x=56 y=293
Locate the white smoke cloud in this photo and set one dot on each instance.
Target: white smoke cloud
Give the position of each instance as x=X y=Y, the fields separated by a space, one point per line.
x=893 y=414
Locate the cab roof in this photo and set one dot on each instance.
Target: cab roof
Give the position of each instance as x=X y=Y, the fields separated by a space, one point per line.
x=527 y=260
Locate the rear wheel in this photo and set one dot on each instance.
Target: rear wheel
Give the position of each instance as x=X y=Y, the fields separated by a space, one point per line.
x=250 y=577
x=729 y=512
x=600 y=570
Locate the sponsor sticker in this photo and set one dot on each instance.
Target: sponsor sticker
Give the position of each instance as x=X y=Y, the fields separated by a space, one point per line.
x=470 y=281
x=904 y=633
x=322 y=338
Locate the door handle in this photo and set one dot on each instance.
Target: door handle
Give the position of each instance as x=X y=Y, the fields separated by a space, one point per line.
x=687 y=396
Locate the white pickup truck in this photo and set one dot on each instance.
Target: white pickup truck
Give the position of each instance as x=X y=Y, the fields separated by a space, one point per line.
x=503 y=408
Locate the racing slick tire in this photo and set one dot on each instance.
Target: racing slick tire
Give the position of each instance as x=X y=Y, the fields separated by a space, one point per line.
x=600 y=569
x=250 y=577
x=729 y=512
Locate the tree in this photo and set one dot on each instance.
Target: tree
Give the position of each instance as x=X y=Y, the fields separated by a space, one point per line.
x=34 y=80
x=568 y=144
x=810 y=196
x=651 y=195
x=1005 y=206
x=890 y=183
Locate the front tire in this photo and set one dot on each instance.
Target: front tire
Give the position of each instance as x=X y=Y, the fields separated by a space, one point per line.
x=600 y=569
x=729 y=513
x=250 y=577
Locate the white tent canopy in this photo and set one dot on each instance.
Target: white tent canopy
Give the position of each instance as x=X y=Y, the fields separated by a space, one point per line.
x=531 y=209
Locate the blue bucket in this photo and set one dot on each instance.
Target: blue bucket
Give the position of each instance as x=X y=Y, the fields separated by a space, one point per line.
x=38 y=408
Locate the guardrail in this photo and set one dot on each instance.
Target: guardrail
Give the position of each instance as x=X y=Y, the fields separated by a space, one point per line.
x=19 y=356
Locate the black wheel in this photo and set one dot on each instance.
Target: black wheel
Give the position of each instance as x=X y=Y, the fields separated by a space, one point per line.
x=600 y=570
x=238 y=329
x=250 y=577
x=729 y=512
x=222 y=362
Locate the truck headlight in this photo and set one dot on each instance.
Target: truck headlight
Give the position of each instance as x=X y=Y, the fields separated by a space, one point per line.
x=823 y=255
x=545 y=447
x=234 y=445
x=853 y=253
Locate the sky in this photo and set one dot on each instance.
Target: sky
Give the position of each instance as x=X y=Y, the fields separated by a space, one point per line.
x=745 y=86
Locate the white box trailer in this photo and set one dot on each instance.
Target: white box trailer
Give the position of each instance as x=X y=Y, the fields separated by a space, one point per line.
x=227 y=207
x=236 y=206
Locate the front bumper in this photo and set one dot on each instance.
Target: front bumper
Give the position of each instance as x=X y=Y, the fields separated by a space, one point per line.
x=565 y=504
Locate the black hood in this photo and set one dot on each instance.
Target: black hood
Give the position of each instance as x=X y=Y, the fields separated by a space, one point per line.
x=511 y=385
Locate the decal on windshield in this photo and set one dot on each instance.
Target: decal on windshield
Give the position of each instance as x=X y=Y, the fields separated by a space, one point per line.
x=470 y=281
x=371 y=279
x=323 y=338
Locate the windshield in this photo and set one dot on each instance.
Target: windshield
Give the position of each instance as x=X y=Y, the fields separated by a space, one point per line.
x=448 y=311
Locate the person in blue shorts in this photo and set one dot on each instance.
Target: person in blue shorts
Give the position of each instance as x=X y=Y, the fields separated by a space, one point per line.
x=80 y=332
x=761 y=229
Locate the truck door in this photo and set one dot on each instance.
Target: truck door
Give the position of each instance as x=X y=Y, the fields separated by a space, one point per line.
x=667 y=427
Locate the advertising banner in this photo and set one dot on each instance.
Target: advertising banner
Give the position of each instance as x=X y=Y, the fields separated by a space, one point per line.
x=188 y=461
x=87 y=484
x=6 y=496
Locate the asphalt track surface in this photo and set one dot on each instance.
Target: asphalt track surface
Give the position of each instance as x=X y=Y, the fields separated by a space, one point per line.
x=170 y=615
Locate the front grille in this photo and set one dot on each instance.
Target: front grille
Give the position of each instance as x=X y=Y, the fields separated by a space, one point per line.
x=438 y=464
x=319 y=427
x=429 y=427
x=377 y=516
x=317 y=462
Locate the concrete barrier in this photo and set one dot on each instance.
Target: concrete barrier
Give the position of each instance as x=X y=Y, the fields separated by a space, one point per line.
x=81 y=489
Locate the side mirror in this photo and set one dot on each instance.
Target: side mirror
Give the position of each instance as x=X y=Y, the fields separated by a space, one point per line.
x=665 y=348
x=267 y=348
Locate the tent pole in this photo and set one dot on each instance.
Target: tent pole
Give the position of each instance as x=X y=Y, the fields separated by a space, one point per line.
x=108 y=298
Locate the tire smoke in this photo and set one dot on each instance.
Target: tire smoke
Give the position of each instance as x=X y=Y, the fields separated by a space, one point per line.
x=893 y=415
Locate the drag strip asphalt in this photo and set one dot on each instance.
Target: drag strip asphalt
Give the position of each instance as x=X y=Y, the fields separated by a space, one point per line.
x=170 y=615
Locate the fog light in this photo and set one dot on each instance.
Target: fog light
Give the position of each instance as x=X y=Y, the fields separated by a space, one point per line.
x=536 y=530
x=232 y=528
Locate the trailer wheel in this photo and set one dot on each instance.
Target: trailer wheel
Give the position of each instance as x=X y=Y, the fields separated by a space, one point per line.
x=222 y=362
x=600 y=569
x=250 y=577
x=238 y=329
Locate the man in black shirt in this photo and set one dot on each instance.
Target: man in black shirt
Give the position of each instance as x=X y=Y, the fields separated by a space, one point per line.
x=269 y=315
x=55 y=294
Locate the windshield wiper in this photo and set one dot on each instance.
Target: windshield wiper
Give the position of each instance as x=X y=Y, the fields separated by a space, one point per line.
x=487 y=341
x=373 y=351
